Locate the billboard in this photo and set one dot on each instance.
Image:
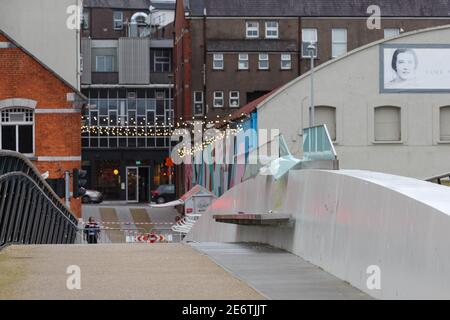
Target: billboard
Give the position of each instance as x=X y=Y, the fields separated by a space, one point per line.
x=414 y=68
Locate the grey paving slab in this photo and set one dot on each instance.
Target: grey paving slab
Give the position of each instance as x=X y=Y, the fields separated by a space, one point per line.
x=117 y=271
x=278 y=274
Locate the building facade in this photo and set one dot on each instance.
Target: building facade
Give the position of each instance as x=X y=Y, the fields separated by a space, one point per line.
x=377 y=122
x=127 y=76
x=40 y=113
x=229 y=53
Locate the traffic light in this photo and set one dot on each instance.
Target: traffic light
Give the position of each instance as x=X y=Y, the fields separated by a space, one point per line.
x=79 y=183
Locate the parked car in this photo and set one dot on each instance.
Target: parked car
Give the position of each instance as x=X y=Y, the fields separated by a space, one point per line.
x=164 y=193
x=92 y=196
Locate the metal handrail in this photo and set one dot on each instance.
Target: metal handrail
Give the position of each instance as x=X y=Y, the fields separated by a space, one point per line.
x=21 y=174
x=438 y=179
x=442 y=176
x=31 y=171
x=30 y=211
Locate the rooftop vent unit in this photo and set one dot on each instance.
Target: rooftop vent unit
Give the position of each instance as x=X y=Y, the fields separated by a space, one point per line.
x=139 y=25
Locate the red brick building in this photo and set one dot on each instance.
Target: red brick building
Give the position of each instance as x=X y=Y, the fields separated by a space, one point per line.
x=40 y=113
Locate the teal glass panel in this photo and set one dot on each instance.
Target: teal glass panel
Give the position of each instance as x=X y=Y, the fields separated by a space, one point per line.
x=317 y=144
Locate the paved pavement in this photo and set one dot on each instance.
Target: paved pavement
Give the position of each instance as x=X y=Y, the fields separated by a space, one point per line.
x=278 y=274
x=118 y=271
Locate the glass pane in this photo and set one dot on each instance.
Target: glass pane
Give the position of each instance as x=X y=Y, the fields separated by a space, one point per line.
x=317 y=144
x=339 y=35
x=112 y=118
x=112 y=142
x=132 y=183
x=141 y=142
x=113 y=104
x=103 y=121
x=94 y=142
x=159 y=107
x=131 y=104
x=122 y=107
x=150 y=118
x=131 y=118
x=339 y=49
x=309 y=35
x=104 y=142
x=132 y=142
x=141 y=121
x=141 y=106
x=93 y=103
x=160 y=142
x=122 y=142
x=9 y=138
x=103 y=106
x=151 y=104
x=26 y=139
x=286 y=64
x=16 y=117
x=94 y=118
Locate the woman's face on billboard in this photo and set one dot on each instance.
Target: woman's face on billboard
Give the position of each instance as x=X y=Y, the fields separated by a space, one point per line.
x=406 y=65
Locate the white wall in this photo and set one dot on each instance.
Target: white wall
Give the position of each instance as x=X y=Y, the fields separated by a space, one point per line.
x=40 y=27
x=351 y=84
x=346 y=221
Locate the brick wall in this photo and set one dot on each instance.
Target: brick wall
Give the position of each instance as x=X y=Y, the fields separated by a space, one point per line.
x=56 y=134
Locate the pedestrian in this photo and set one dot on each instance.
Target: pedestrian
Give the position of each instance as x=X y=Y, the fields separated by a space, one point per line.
x=92 y=231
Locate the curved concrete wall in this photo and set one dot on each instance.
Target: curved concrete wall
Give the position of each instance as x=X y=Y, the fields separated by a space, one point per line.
x=346 y=221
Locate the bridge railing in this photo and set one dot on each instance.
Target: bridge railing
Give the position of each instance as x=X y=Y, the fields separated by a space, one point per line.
x=30 y=211
x=440 y=179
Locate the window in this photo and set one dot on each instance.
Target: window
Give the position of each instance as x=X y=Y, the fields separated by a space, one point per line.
x=17 y=132
x=338 y=42
x=218 y=99
x=118 y=20
x=161 y=61
x=326 y=115
x=263 y=63
x=387 y=124
x=218 y=61
x=252 y=29
x=444 y=123
x=104 y=63
x=391 y=32
x=85 y=20
x=272 y=30
x=198 y=103
x=234 y=99
x=243 y=61
x=286 y=63
x=309 y=36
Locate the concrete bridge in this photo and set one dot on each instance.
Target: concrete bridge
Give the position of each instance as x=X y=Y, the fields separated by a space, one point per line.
x=208 y=271
x=312 y=234
x=386 y=235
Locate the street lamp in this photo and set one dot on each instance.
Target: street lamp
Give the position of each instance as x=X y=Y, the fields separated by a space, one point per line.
x=312 y=50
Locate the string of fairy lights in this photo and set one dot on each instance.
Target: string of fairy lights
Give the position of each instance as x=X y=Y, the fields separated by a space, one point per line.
x=180 y=126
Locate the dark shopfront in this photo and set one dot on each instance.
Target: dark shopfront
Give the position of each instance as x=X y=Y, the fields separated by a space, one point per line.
x=127 y=175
